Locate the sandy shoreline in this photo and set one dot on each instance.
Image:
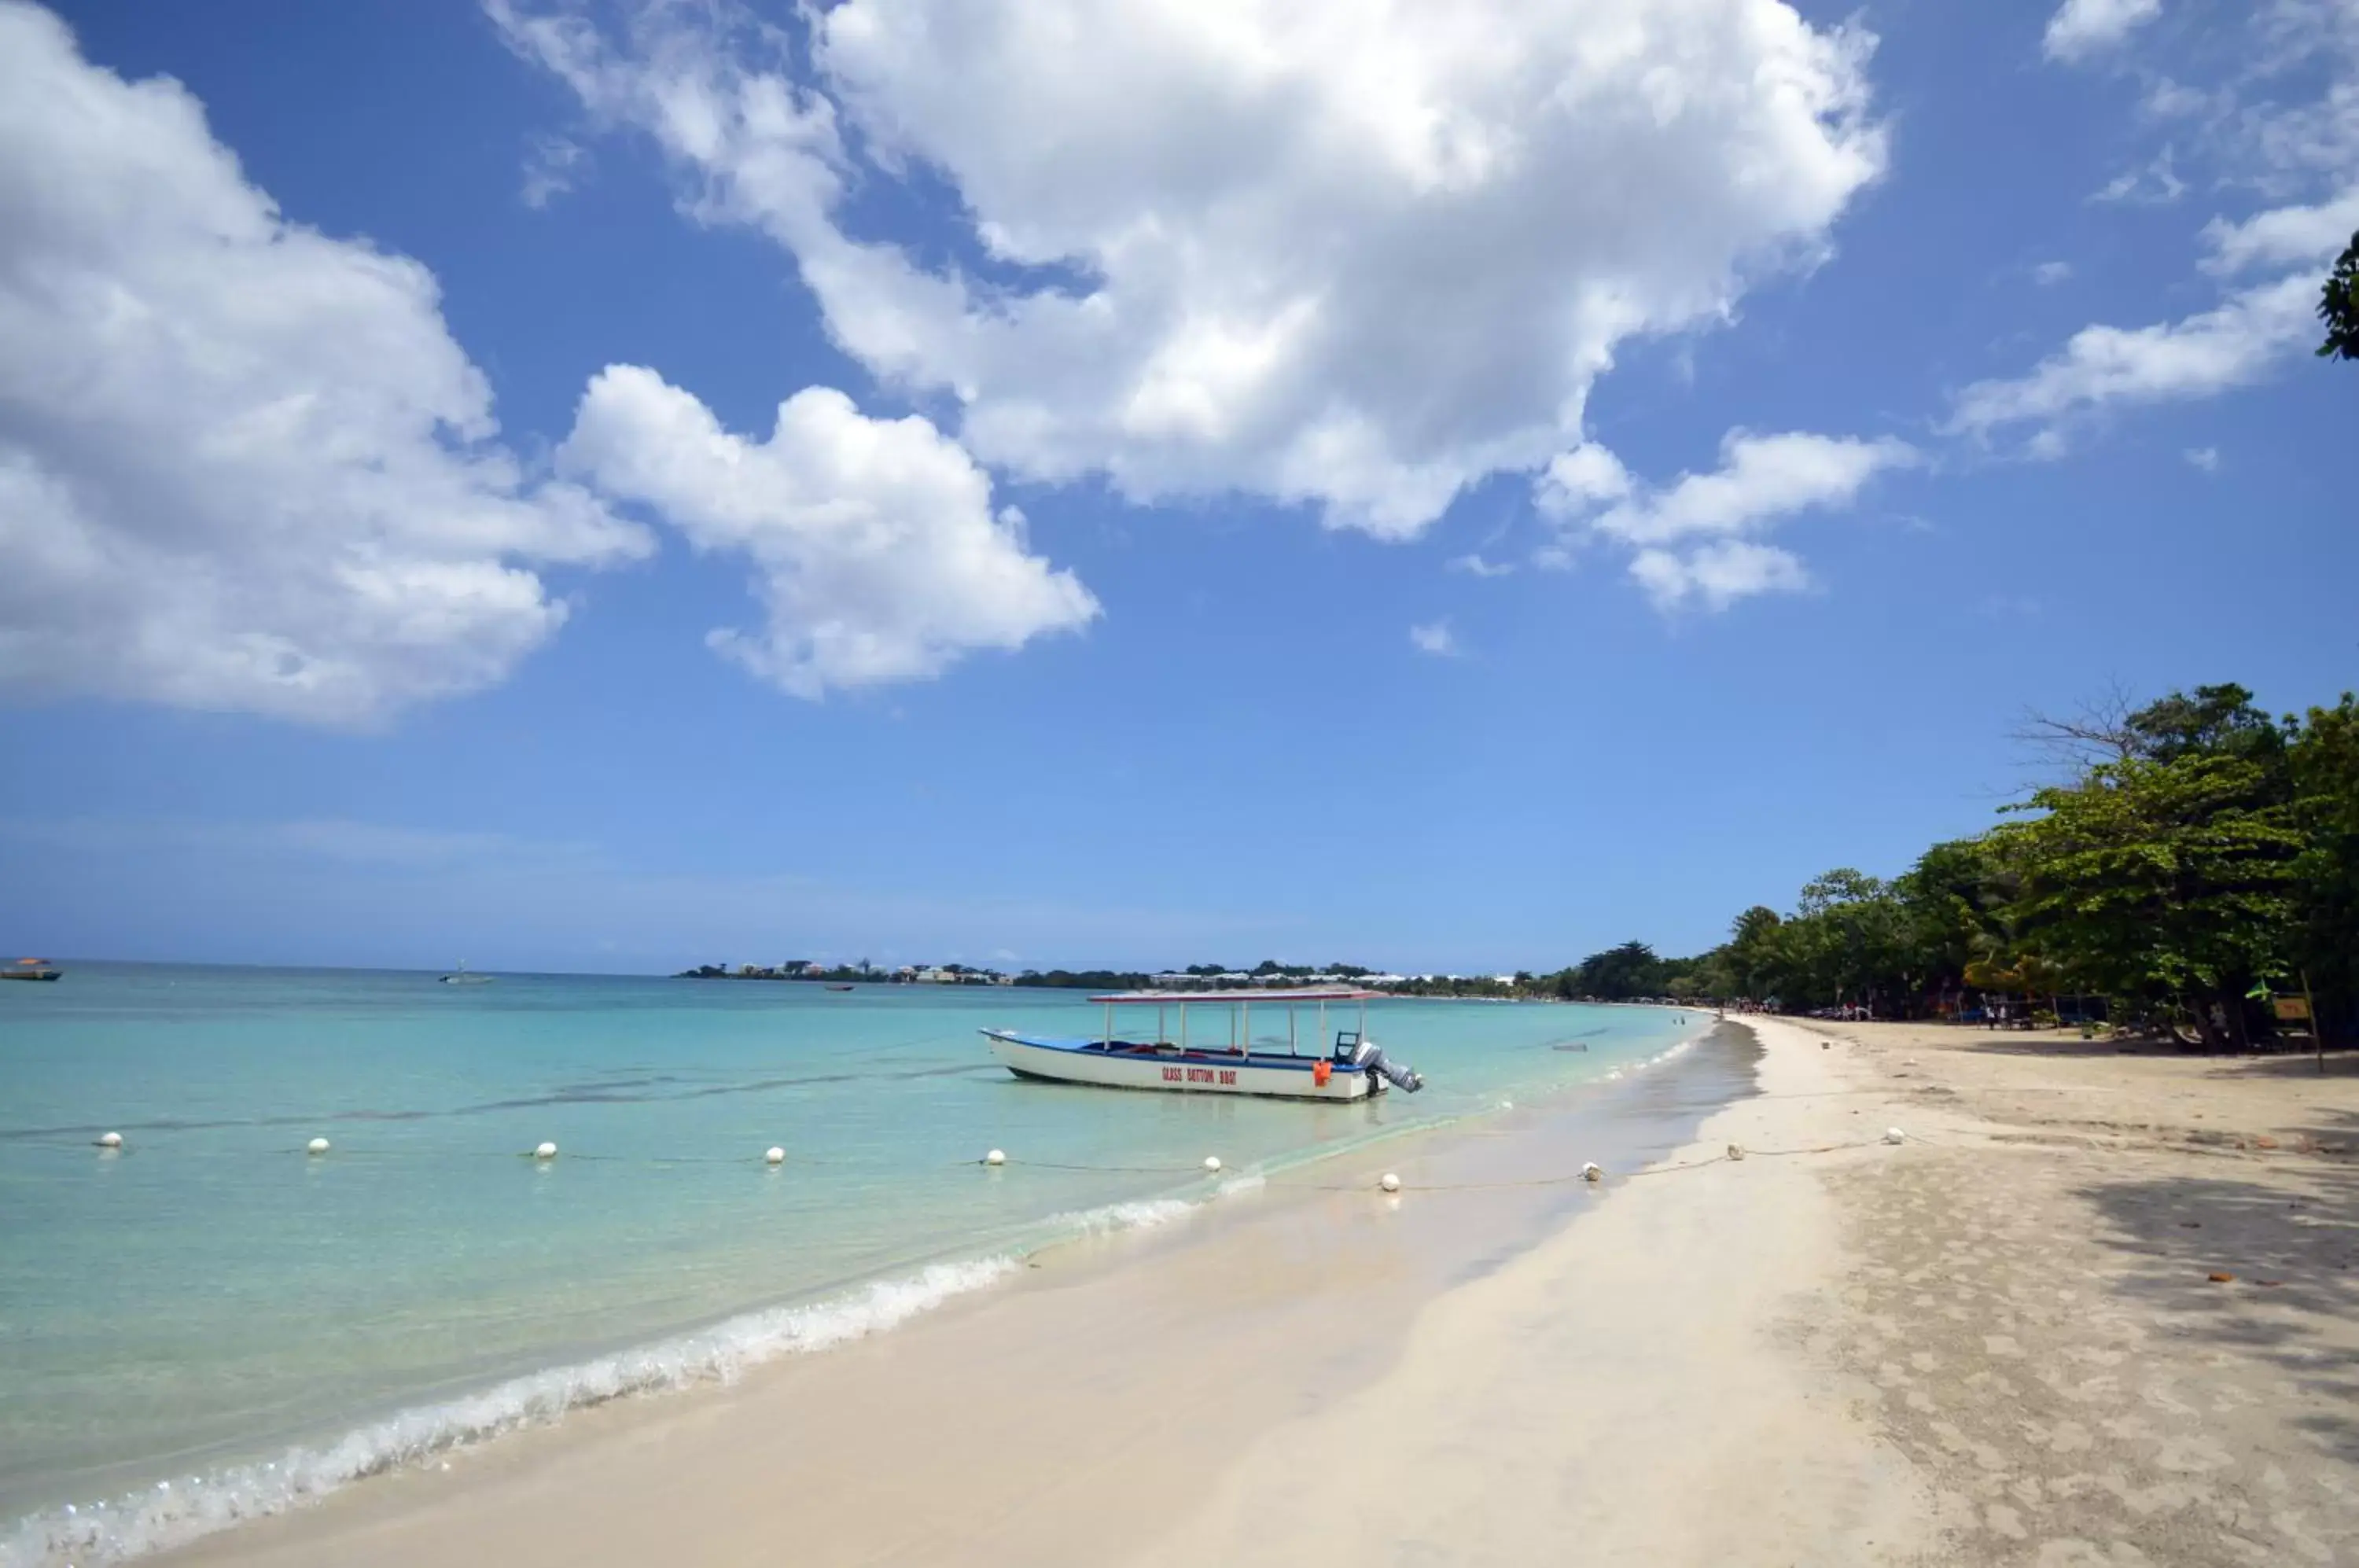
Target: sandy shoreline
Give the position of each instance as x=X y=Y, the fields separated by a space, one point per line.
x=1997 y=1341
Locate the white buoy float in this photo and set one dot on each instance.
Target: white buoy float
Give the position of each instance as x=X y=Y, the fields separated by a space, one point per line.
x=994 y=1158
x=544 y=1151
x=1593 y=1172
x=317 y=1146
x=1894 y=1135
x=1213 y=1163
x=109 y=1140
x=773 y=1155
x=1389 y=1182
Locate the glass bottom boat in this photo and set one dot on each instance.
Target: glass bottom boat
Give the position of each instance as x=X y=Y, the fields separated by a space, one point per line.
x=1352 y=1068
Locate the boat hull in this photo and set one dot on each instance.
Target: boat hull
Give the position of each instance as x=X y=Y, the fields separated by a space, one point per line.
x=1170 y=1071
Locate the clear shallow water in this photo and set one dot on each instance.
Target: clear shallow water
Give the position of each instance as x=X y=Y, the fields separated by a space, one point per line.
x=189 y=1310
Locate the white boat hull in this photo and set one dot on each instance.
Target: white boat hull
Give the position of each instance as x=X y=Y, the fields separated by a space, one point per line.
x=1193 y=1073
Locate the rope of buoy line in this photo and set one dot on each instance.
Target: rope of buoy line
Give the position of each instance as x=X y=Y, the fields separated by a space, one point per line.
x=1113 y=1169
x=321 y=1148
x=547 y=1153
x=1737 y=1153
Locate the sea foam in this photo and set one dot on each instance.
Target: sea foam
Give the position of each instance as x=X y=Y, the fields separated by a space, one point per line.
x=174 y=1514
x=177 y=1512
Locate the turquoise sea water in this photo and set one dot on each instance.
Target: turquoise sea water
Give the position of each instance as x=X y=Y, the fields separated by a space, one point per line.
x=209 y=1322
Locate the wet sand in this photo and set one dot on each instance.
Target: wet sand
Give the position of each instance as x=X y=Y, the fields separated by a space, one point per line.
x=1997 y=1341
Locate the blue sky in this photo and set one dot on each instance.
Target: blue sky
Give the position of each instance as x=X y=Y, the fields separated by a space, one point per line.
x=1416 y=486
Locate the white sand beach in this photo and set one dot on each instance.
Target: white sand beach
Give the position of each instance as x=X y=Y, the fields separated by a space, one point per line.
x=1997 y=1341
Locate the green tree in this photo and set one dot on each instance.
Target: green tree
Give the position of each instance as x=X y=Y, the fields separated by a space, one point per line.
x=1948 y=916
x=2216 y=720
x=1845 y=943
x=2337 y=306
x=2164 y=883
x=2324 y=760
x=1619 y=974
x=1755 y=953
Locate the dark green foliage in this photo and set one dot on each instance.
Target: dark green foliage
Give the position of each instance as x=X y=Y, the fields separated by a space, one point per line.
x=1619 y=972
x=1085 y=979
x=2201 y=853
x=2217 y=721
x=2337 y=306
x=2323 y=762
x=2163 y=883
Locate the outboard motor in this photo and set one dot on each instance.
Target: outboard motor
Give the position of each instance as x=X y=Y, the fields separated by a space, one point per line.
x=1367 y=1057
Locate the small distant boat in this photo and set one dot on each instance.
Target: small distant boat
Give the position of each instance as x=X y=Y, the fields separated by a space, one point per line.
x=1353 y=1070
x=839 y=987
x=31 y=969
x=465 y=977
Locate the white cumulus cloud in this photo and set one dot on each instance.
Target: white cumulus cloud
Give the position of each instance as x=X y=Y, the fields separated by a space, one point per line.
x=552 y=166
x=879 y=556
x=1687 y=534
x=2155 y=184
x=1434 y=637
x=1717 y=575
x=1356 y=254
x=242 y=464
x=1760 y=478
x=1474 y=565
x=2263 y=106
x=2083 y=28
x=2234 y=345
x=2283 y=234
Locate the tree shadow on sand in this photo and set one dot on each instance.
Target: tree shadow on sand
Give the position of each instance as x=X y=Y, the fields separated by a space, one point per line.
x=2277 y=1059
x=2294 y=1253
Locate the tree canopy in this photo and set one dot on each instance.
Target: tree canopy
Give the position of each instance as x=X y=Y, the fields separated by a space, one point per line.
x=2197 y=851
x=2337 y=306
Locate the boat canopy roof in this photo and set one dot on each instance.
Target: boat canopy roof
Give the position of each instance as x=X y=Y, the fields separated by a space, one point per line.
x=1304 y=994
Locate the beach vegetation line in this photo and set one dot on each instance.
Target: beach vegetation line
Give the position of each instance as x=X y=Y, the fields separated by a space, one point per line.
x=2190 y=871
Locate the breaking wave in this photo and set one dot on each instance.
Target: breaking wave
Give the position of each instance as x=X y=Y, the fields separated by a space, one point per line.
x=173 y=1514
